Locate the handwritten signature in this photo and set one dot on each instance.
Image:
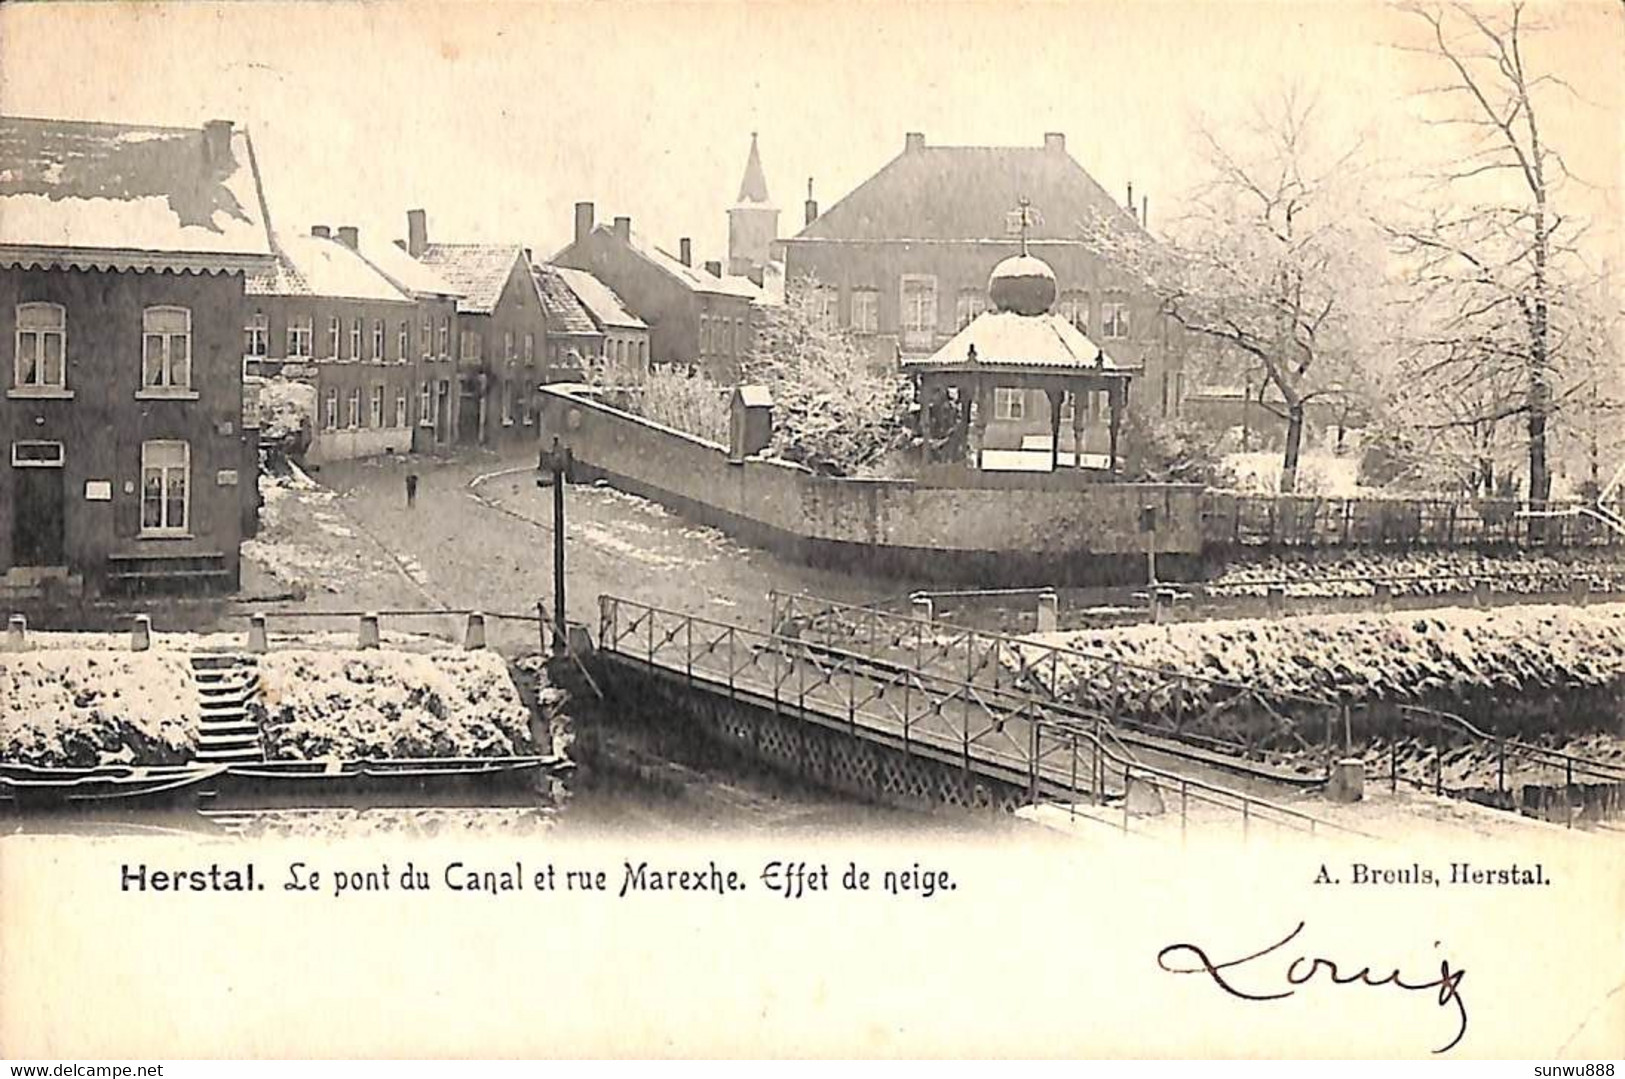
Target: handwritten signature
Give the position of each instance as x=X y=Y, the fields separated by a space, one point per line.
x=1304 y=968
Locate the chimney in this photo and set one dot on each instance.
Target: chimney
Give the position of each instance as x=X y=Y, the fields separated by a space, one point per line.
x=812 y=205
x=685 y=251
x=1145 y=211
x=914 y=140
x=1055 y=142
x=1131 y=197
x=217 y=142
x=321 y=231
x=714 y=269
x=583 y=220
x=349 y=236
x=417 y=233
x=623 y=229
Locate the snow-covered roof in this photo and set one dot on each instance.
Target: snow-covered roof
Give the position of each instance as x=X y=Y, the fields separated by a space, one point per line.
x=968 y=193
x=130 y=195
x=317 y=266
x=697 y=279
x=407 y=273
x=1005 y=339
x=564 y=311
x=479 y=272
x=605 y=307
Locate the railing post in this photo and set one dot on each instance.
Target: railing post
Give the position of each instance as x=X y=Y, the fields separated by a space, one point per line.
x=1393 y=761
x=258 y=638
x=1128 y=780
x=852 y=694
x=1032 y=763
x=688 y=634
x=1184 y=807
x=731 y=661
x=140 y=633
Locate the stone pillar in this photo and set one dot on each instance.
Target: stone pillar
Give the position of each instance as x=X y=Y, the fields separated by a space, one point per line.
x=1277 y=599
x=1153 y=600
x=1347 y=781
x=1385 y=596
x=369 y=630
x=1581 y=589
x=141 y=633
x=1049 y=612
x=258 y=640
x=16 y=631
x=1481 y=593
x=474 y=635
x=922 y=608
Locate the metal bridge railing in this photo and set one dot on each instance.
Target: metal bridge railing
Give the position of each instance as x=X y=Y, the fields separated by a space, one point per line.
x=1059 y=755
x=1182 y=705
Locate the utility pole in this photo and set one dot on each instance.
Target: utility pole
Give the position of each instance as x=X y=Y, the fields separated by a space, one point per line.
x=557 y=462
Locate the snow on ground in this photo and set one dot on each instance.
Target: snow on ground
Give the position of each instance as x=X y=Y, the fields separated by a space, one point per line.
x=83 y=707
x=1356 y=573
x=1394 y=655
x=307 y=541
x=317 y=704
x=1318 y=474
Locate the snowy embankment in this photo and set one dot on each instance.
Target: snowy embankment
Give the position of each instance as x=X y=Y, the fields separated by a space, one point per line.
x=79 y=707
x=389 y=704
x=1421 y=573
x=1522 y=669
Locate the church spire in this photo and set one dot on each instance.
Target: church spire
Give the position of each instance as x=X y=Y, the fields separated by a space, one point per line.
x=753 y=188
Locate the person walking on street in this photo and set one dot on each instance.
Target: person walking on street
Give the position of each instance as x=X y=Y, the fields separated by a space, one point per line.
x=411 y=489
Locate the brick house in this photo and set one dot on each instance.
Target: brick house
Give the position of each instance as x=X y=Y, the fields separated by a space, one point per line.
x=904 y=258
x=626 y=337
x=573 y=339
x=123 y=256
x=324 y=314
x=501 y=333
x=696 y=317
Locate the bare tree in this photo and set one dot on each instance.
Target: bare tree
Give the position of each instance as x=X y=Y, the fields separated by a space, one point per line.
x=1267 y=264
x=1492 y=269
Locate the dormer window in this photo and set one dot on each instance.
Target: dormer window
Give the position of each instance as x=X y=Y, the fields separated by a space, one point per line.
x=166 y=355
x=42 y=335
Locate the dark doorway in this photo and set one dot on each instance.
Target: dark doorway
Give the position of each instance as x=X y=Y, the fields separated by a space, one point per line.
x=468 y=417
x=38 y=531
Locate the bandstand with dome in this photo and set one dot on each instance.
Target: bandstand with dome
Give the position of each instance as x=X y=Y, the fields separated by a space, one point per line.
x=1017 y=349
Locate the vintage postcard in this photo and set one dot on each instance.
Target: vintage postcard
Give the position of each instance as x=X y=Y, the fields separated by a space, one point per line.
x=559 y=530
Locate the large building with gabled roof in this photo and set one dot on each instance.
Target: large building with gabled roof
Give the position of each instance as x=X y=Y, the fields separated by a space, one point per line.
x=126 y=457
x=502 y=333
x=904 y=258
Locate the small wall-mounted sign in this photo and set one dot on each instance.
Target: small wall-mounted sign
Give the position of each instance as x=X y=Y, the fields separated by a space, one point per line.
x=98 y=490
x=226 y=477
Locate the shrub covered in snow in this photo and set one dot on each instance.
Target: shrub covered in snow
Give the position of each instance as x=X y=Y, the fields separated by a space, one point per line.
x=1514 y=668
x=354 y=704
x=287 y=413
x=78 y=707
x=1421 y=573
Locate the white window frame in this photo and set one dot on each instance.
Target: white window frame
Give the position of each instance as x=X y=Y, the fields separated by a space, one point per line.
x=330 y=409
x=1115 y=321
x=19 y=461
x=355 y=338
x=257 y=336
x=967 y=305
x=915 y=321
x=166 y=527
x=403 y=339
x=1074 y=307
x=301 y=338
x=427 y=329
x=39 y=333
x=530 y=348
x=352 y=410
x=507 y=402
x=426 y=405
x=870 y=323
x=1009 y=403
x=167 y=383
x=401 y=418
x=508 y=352
x=335 y=336
x=445 y=337
x=375 y=406
x=378 y=340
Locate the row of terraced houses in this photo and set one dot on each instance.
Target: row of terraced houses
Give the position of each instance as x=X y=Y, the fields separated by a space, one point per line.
x=143 y=283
